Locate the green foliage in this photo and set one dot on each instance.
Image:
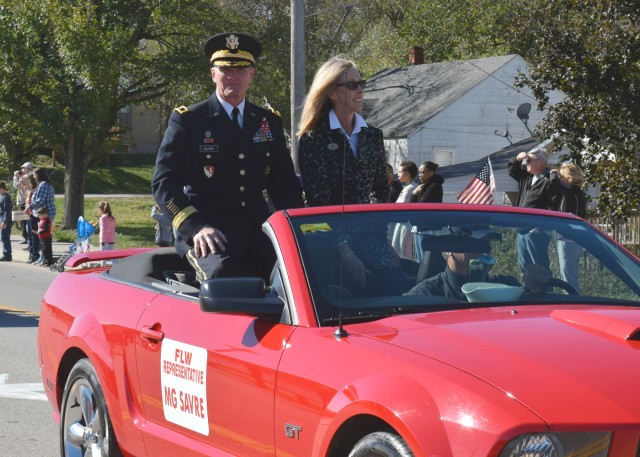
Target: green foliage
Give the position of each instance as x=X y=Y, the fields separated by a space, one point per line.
x=458 y=29
x=590 y=50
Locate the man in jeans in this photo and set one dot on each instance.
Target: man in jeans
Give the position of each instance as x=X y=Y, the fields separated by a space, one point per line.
x=6 y=206
x=531 y=172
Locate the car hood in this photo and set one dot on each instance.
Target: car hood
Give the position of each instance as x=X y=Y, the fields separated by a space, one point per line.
x=563 y=364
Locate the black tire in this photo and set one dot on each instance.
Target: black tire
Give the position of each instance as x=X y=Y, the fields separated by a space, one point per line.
x=381 y=444
x=85 y=425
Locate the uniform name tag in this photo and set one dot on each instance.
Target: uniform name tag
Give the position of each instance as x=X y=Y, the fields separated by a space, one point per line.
x=209 y=148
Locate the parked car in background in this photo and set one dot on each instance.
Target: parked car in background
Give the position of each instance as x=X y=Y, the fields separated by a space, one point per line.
x=138 y=360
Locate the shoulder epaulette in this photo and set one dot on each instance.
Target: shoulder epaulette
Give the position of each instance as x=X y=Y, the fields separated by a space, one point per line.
x=182 y=109
x=276 y=112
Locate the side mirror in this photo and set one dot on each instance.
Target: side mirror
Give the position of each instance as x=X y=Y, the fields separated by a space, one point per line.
x=246 y=296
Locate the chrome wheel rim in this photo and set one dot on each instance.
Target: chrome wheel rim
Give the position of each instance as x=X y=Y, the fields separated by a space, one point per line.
x=84 y=425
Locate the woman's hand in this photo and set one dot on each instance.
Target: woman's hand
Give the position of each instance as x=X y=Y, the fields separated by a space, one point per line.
x=356 y=268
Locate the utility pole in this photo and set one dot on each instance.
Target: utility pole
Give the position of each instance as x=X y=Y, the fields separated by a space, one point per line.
x=297 y=73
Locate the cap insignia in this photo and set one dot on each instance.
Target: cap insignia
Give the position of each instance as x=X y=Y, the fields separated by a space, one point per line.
x=233 y=42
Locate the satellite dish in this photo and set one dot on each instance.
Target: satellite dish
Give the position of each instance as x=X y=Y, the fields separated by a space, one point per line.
x=523 y=111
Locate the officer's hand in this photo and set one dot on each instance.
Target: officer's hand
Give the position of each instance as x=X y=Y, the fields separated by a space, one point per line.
x=521 y=156
x=208 y=239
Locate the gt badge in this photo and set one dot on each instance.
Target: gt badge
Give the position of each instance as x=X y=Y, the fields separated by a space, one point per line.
x=208 y=171
x=332 y=147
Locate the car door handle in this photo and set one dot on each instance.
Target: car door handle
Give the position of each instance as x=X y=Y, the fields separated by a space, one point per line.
x=148 y=333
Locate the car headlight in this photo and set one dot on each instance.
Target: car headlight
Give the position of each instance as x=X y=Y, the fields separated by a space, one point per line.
x=583 y=444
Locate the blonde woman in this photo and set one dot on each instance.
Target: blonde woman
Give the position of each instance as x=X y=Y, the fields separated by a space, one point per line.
x=569 y=197
x=342 y=161
x=341 y=157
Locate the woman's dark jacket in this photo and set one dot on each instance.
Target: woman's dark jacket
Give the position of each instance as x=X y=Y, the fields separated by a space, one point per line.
x=326 y=161
x=431 y=191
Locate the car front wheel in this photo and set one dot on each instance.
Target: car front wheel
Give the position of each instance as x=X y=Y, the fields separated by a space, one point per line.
x=381 y=444
x=85 y=428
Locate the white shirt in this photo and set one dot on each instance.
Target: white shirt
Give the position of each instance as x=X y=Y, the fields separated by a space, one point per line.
x=228 y=107
x=334 y=124
x=405 y=195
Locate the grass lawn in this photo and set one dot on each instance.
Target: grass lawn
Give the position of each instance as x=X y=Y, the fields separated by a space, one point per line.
x=134 y=224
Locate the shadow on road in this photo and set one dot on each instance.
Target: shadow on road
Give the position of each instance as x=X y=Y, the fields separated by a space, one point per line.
x=10 y=318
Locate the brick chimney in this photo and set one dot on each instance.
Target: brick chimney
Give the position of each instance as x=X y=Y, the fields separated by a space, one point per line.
x=416 y=55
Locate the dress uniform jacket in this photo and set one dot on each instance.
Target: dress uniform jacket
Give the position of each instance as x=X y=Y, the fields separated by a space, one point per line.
x=226 y=174
x=321 y=154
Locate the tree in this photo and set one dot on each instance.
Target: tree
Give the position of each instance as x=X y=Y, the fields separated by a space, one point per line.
x=458 y=29
x=68 y=66
x=590 y=50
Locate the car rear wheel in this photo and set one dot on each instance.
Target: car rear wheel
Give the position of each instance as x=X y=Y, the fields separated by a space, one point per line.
x=381 y=444
x=85 y=426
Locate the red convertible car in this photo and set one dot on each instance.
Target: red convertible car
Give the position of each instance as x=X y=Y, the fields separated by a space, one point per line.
x=385 y=330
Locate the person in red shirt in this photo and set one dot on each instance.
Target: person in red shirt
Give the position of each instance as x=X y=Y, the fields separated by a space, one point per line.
x=44 y=236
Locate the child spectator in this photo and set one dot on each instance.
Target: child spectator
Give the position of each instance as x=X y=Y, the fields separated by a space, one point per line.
x=6 y=206
x=44 y=236
x=107 y=226
x=164 y=231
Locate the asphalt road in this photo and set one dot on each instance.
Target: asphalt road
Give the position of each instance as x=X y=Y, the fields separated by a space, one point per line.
x=27 y=427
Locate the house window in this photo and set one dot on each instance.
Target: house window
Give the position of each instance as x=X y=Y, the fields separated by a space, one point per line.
x=443 y=156
x=123 y=148
x=124 y=116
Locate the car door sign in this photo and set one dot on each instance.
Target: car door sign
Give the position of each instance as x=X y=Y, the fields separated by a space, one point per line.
x=183 y=375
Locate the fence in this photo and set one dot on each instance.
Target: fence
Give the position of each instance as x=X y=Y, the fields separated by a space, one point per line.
x=626 y=233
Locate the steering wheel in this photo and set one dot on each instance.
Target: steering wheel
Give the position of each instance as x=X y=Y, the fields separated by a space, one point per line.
x=564 y=285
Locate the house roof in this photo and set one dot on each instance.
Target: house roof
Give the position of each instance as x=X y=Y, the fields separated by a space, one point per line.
x=401 y=100
x=499 y=160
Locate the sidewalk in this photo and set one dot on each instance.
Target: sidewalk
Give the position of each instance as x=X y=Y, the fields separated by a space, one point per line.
x=21 y=256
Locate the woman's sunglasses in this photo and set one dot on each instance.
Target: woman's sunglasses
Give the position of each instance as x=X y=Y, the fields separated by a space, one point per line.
x=353 y=85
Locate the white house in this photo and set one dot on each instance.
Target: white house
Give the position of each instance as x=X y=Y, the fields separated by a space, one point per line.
x=454 y=113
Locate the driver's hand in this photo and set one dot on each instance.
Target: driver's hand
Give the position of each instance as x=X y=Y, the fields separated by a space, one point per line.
x=208 y=240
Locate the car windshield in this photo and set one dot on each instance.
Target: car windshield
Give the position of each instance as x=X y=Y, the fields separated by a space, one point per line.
x=366 y=265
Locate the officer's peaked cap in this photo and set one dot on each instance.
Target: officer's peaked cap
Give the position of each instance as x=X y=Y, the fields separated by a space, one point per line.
x=232 y=50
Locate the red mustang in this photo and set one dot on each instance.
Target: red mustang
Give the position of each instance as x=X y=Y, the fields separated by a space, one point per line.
x=385 y=330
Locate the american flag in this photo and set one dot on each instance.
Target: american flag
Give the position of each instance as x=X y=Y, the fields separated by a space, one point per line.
x=481 y=188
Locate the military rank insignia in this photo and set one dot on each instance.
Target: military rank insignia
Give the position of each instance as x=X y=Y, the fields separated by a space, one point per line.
x=208 y=171
x=264 y=132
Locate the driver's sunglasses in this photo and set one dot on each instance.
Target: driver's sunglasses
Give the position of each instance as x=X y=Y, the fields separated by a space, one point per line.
x=353 y=85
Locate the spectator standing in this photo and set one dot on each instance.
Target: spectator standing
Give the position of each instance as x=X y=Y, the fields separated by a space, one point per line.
x=430 y=189
x=6 y=206
x=164 y=231
x=407 y=172
x=567 y=184
x=45 y=236
x=394 y=185
x=227 y=151
x=44 y=195
x=20 y=183
x=107 y=227
x=531 y=172
x=32 y=223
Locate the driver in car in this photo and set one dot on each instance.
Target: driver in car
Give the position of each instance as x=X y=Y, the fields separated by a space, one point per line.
x=449 y=282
